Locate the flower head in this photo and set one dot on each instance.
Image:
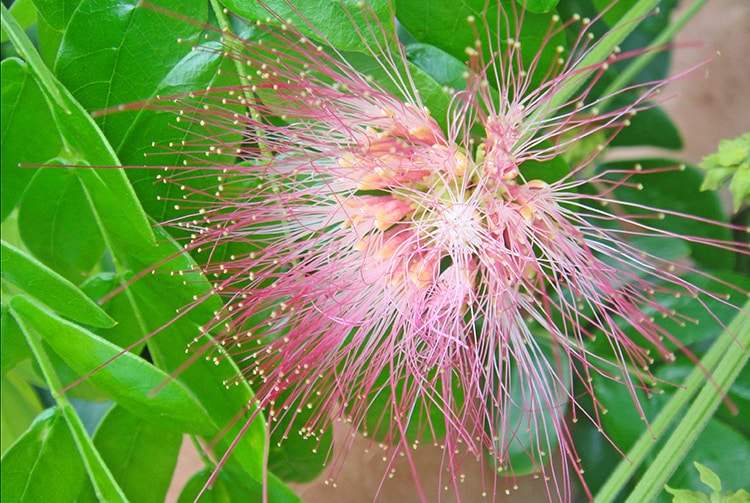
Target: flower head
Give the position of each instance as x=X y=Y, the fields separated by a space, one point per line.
x=407 y=272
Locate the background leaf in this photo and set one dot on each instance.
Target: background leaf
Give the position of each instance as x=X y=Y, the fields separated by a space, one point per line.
x=141 y=455
x=20 y=406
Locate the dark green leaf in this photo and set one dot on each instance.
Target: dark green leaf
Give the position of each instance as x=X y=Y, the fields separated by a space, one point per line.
x=678 y=191
x=57 y=226
x=20 y=406
x=293 y=456
x=532 y=424
x=739 y=395
x=126 y=378
x=39 y=281
x=43 y=464
x=444 y=24
x=651 y=127
x=441 y=66
x=141 y=455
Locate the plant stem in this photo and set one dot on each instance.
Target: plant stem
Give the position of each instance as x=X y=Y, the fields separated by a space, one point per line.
x=627 y=75
x=598 y=53
x=725 y=351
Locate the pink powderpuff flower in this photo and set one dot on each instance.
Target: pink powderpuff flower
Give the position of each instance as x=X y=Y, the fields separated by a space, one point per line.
x=413 y=279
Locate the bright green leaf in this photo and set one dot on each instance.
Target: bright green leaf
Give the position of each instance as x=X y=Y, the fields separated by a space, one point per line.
x=107 y=56
x=708 y=477
x=126 y=378
x=25 y=14
x=334 y=21
x=686 y=496
x=732 y=160
x=43 y=283
x=57 y=226
x=80 y=137
x=43 y=464
x=154 y=300
x=24 y=110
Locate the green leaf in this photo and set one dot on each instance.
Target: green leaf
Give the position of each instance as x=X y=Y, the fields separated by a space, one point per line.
x=107 y=56
x=126 y=378
x=43 y=464
x=444 y=24
x=24 y=109
x=134 y=55
x=438 y=64
x=724 y=362
x=686 y=496
x=732 y=160
x=80 y=138
x=24 y=12
x=154 y=300
x=434 y=95
x=232 y=487
x=721 y=448
x=57 y=226
x=532 y=425
x=46 y=285
x=538 y=6
x=708 y=477
x=651 y=127
x=141 y=455
x=15 y=349
x=142 y=137
x=20 y=406
x=739 y=395
x=105 y=487
x=342 y=24
x=52 y=18
x=291 y=455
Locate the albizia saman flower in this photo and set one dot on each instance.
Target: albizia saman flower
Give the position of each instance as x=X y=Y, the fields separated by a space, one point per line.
x=414 y=279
